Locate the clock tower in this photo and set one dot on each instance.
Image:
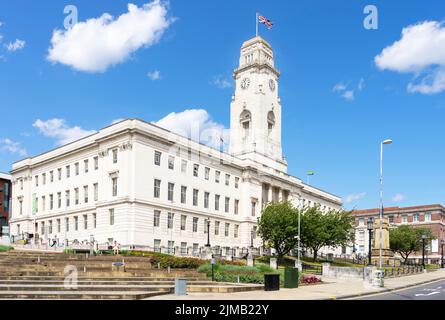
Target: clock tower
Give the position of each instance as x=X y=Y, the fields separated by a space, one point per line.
x=255 y=111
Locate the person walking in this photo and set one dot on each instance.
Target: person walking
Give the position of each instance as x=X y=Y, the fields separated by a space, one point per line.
x=116 y=248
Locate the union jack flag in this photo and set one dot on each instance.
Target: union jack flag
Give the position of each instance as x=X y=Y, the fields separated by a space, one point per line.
x=267 y=22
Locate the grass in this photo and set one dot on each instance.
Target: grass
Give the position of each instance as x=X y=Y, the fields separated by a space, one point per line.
x=5 y=248
x=245 y=274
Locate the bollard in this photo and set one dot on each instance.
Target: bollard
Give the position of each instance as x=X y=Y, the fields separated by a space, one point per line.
x=38 y=259
x=159 y=265
x=238 y=279
x=168 y=269
x=84 y=268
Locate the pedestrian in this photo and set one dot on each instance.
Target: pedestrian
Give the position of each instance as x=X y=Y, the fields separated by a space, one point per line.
x=116 y=248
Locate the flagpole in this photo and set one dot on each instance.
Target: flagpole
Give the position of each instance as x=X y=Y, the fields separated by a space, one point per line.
x=256 y=23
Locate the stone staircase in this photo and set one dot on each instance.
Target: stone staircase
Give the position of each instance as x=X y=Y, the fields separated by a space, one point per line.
x=42 y=275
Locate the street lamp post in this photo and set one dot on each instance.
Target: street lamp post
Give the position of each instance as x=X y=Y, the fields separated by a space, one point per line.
x=251 y=238
x=370 y=229
x=442 y=243
x=385 y=142
x=208 y=233
x=424 y=237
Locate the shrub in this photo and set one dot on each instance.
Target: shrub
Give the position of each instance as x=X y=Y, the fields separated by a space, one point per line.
x=309 y=279
x=231 y=273
x=5 y=248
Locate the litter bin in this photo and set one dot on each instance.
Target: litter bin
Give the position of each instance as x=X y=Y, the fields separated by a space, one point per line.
x=290 y=277
x=271 y=282
x=180 y=287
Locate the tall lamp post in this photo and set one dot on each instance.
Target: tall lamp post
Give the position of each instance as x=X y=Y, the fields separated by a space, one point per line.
x=442 y=243
x=370 y=229
x=424 y=237
x=208 y=233
x=385 y=142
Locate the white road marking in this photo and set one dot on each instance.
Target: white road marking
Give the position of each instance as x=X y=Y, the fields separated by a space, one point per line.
x=426 y=294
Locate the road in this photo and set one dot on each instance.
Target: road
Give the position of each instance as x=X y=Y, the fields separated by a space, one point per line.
x=431 y=291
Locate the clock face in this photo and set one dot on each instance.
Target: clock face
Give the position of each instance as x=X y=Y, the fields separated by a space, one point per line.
x=272 y=85
x=245 y=83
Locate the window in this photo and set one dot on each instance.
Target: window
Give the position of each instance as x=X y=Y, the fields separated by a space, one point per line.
x=76 y=223
x=96 y=163
x=206 y=226
x=85 y=163
x=391 y=219
x=85 y=222
x=207 y=173
x=42 y=228
x=96 y=191
x=68 y=173
x=226 y=229
x=361 y=221
x=195 y=197
x=184 y=166
x=415 y=217
x=195 y=248
x=217 y=197
x=227 y=179
x=157 y=245
x=217 y=176
x=183 y=194
x=404 y=219
x=195 y=170
x=157 y=188
x=21 y=206
x=183 y=222
x=184 y=248
x=171 y=247
x=36 y=179
x=114 y=185
x=158 y=158
x=236 y=231
x=235 y=211
x=85 y=194
x=170 y=220
x=156 y=218
x=44 y=178
x=114 y=155
x=67 y=197
x=94 y=220
x=50 y=227
x=216 y=228
x=59 y=174
x=361 y=235
x=67 y=224
x=428 y=217
x=58 y=225
x=171 y=187
x=21 y=184
x=171 y=162
x=43 y=203
x=76 y=196
x=206 y=200
x=59 y=200
x=37 y=204
x=253 y=208
x=361 y=248
x=76 y=168
x=111 y=217
x=254 y=232
x=227 y=205
x=236 y=182
x=195 y=224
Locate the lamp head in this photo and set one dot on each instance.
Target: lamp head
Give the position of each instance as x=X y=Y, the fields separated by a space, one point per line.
x=388 y=141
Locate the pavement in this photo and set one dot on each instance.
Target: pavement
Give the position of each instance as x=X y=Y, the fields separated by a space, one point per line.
x=331 y=289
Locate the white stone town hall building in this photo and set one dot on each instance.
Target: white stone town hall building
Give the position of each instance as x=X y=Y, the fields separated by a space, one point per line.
x=148 y=188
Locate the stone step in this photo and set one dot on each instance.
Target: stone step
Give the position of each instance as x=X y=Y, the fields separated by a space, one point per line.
x=130 y=279
x=102 y=288
x=77 y=295
x=101 y=282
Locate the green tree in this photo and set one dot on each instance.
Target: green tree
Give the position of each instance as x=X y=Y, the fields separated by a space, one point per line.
x=278 y=227
x=406 y=240
x=331 y=229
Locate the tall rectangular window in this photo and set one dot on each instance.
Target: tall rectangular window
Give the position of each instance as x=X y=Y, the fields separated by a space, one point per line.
x=157 y=188
x=59 y=174
x=171 y=247
x=157 y=158
x=111 y=217
x=217 y=176
x=43 y=203
x=21 y=206
x=216 y=228
x=226 y=229
x=428 y=217
x=51 y=178
x=94 y=220
x=156 y=218
x=67 y=197
x=404 y=219
x=227 y=205
x=76 y=168
x=114 y=155
x=44 y=178
x=85 y=163
x=76 y=223
x=36 y=180
x=170 y=220
x=50 y=227
x=171 y=187
x=195 y=197
x=85 y=222
x=195 y=170
x=68 y=171
x=96 y=163
x=59 y=200
x=171 y=162
x=96 y=191
x=236 y=231
x=236 y=206
x=253 y=208
x=183 y=194
x=183 y=222
x=114 y=190
x=416 y=217
x=157 y=245
x=236 y=182
x=195 y=224
x=227 y=179
x=76 y=196
x=184 y=166
x=207 y=173
x=217 y=197
x=206 y=200
x=58 y=225
x=67 y=224
x=85 y=194
x=37 y=204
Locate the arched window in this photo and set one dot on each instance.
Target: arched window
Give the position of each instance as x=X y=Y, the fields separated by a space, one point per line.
x=270 y=121
x=245 y=121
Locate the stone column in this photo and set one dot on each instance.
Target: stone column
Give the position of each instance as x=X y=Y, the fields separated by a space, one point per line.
x=280 y=195
x=269 y=193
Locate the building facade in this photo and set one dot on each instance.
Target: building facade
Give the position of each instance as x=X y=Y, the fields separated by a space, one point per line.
x=5 y=199
x=149 y=188
x=428 y=216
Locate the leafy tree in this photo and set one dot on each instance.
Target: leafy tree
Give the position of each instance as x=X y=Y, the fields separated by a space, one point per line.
x=278 y=227
x=406 y=239
x=330 y=229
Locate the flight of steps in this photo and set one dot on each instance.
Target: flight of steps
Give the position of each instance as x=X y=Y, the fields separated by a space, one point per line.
x=42 y=275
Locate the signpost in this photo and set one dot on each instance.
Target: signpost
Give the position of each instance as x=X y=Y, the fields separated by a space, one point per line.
x=212 y=262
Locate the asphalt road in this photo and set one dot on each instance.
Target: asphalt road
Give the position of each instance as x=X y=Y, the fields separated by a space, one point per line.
x=432 y=291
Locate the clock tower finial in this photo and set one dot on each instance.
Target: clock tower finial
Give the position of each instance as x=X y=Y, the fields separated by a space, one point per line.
x=255 y=126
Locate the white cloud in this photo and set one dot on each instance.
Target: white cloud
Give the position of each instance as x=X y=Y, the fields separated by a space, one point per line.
x=346 y=92
x=98 y=43
x=354 y=197
x=339 y=87
x=154 y=75
x=398 y=198
x=12 y=147
x=421 y=51
x=16 y=45
x=197 y=125
x=348 y=95
x=117 y=120
x=221 y=82
x=58 y=129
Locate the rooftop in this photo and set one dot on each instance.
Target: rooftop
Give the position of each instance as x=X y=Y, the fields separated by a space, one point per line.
x=399 y=209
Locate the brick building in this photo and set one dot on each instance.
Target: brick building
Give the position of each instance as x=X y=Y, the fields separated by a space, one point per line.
x=5 y=199
x=427 y=216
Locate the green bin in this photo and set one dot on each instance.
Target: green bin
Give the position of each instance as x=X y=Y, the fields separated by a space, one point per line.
x=290 y=277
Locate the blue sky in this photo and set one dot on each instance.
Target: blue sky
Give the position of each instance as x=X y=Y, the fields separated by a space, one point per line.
x=338 y=102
